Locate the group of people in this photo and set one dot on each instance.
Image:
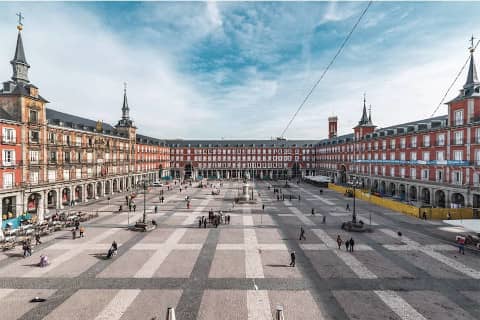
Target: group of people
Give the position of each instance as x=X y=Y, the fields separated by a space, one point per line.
x=27 y=251
x=79 y=228
x=349 y=244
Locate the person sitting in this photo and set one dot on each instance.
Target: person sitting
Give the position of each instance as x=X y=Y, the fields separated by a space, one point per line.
x=43 y=261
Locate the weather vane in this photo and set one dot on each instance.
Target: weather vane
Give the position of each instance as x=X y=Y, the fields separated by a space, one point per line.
x=20 y=18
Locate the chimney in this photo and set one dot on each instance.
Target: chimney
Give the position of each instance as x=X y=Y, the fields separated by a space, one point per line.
x=332 y=127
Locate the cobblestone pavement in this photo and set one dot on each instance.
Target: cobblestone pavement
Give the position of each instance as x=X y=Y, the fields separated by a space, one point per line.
x=241 y=270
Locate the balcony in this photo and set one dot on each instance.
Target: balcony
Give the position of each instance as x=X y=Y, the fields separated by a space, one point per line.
x=9 y=140
x=458 y=142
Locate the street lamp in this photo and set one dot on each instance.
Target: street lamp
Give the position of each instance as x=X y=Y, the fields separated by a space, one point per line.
x=144 y=200
x=354 y=213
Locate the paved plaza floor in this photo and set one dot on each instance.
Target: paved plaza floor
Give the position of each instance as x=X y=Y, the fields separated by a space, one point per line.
x=241 y=270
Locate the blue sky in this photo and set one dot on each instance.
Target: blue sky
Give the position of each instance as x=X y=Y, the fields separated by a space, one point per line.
x=240 y=69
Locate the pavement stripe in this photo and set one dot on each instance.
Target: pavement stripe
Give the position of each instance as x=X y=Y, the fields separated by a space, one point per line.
x=119 y=304
x=253 y=260
x=329 y=242
x=356 y=266
x=301 y=216
x=398 y=305
x=247 y=220
x=5 y=292
x=258 y=305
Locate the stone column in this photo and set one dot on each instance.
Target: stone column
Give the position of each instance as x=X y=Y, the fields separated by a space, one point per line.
x=59 y=198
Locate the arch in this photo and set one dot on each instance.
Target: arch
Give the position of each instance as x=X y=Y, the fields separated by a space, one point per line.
x=440 y=199
x=90 y=191
x=66 y=196
x=107 y=187
x=296 y=170
x=392 y=188
x=115 y=185
x=375 y=186
x=425 y=196
x=412 y=193
x=458 y=199
x=383 y=187
x=33 y=203
x=343 y=174
x=402 y=192
x=78 y=194
x=99 y=189
x=188 y=171
x=121 y=185
x=52 y=199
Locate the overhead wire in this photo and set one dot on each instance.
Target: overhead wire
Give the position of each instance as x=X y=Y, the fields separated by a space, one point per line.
x=332 y=61
x=454 y=81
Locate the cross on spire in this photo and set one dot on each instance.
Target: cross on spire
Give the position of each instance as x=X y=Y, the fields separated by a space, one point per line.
x=20 y=18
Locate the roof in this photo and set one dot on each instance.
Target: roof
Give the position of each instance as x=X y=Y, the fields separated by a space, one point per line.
x=21 y=89
x=68 y=120
x=241 y=143
x=19 y=52
x=149 y=140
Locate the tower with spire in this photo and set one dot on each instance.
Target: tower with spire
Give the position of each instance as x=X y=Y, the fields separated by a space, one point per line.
x=125 y=124
x=465 y=107
x=365 y=125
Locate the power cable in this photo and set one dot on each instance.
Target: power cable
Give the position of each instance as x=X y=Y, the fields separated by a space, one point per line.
x=454 y=81
x=328 y=67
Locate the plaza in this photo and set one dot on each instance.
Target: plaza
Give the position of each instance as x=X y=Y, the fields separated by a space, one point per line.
x=241 y=270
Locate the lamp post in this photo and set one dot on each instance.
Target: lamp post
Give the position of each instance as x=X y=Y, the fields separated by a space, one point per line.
x=354 y=213
x=144 y=200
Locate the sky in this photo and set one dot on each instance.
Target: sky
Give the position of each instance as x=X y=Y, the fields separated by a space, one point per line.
x=239 y=70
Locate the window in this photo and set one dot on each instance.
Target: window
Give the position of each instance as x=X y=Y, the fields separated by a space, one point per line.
x=413 y=156
x=440 y=155
x=89 y=172
x=402 y=156
x=425 y=174
x=426 y=156
x=78 y=141
x=51 y=137
x=52 y=175
x=441 y=139
x=34 y=156
x=439 y=175
x=413 y=173
x=457 y=177
x=477 y=157
x=458 y=121
x=33 y=116
x=89 y=157
x=392 y=144
x=34 y=136
x=66 y=175
x=413 y=142
x=34 y=177
x=477 y=135
x=426 y=141
x=402 y=172
x=7 y=180
x=458 y=137
x=458 y=155
x=8 y=135
x=8 y=157
x=66 y=139
x=78 y=173
x=52 y=156
x=392 y=172
x=392 y=155
x=402 y=143
x=66 y=156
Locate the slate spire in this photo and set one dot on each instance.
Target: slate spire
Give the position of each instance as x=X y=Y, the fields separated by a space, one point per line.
x=125 y=108
x=19 y=62
x=364 y=120
x=472 y=77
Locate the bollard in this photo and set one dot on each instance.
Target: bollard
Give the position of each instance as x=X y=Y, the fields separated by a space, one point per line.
x=279 y=313
x=170 y=313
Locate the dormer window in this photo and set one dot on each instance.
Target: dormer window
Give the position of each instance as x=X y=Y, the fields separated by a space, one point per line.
x=33 y=116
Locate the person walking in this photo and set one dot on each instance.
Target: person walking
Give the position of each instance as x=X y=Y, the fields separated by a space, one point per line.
x=339 y=242
x=156 y=209
x=461 y=245
x=74 y=234
x=292 y=259
x=298 y=197
x=163 y=199
x=134 y=207
x=200 y=222
x=204 y=223
x=37 y=239
x=82 y=231
x=302 y=234
x=347 y=245
x=313 y=211
x=130 y=207
x=352 y=243
x=77 y=224
x=263 y=207
x=348 y=207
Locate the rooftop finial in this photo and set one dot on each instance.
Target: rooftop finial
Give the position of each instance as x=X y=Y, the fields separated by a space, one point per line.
x=472 y=46
x=124 y=87
x=20 y=24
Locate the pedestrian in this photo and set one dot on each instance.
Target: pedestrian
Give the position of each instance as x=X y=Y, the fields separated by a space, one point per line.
x=263 y=207
x=347 y=245
x=37 y=239
x=324 y=219
x=82 y=231
x=180 y=189
x=134 y=207
x=25 y=249
x=130 y=207
x=200 y=221
x=339 y=242
x=77 y=224
x=292 y=259
x=205 y=223
x=461 y=245
x=449 y=216
x=74 y=234
x=126 y=199
x=290 y=197
x=298 y=197
x=424 y=215
x=313 y=211
x=302 y=234
x=163 y=199
x=352 y=243
x=156 y=209
x=348 y=207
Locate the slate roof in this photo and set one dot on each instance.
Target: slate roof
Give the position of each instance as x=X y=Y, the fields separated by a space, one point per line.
x=149 y=140
x=240 y=143
x=19 y=52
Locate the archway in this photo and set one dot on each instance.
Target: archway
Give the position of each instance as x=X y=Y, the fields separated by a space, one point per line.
x=425 y=196
x=188 y=171
x=90 y=191
x=66 y=197
x=440 y=199
x=458 y=200
x=99 y=189
x=392 y=189
x=375 y=186
x=401 y=191
x=33 y=203
x=343 y=174
x=121 y=185
x=413 y=193
x=9 y=208
x=52 y=199
x=107 y=187
x=383 y=187
x=78 y=194
x=296 y=171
